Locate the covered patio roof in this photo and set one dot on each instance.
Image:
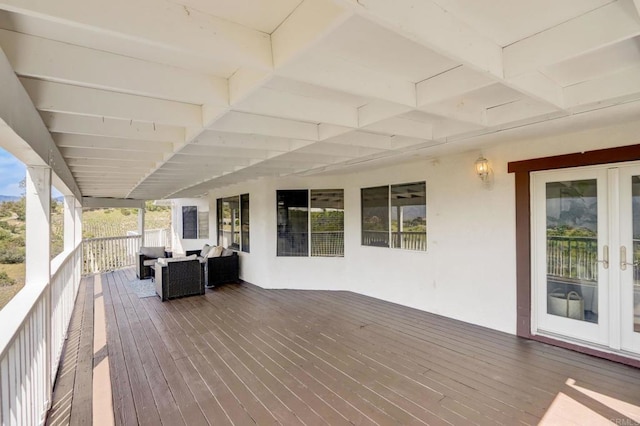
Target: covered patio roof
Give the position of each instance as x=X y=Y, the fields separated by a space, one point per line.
x=150 y=99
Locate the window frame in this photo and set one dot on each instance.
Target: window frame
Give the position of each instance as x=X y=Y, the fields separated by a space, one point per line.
x=309 y=222
x=389 y=240
x=244 y=239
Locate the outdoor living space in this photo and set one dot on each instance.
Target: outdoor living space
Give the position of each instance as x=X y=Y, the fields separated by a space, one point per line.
x=241 y=354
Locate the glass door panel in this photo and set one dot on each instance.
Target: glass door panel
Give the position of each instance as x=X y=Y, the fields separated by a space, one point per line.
x=629 y=288
x=570 y=235
x=635 y=254
x=572 y=249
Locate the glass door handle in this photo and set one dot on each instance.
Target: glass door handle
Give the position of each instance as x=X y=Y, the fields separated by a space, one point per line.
x=623 y=259
x=605 y=257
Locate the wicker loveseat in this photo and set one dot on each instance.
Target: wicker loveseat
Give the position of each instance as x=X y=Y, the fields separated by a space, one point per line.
x=221 y=269
x=178 y=278
x=146 y=257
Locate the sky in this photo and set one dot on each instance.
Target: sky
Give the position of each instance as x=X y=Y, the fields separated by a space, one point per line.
x=12 y=171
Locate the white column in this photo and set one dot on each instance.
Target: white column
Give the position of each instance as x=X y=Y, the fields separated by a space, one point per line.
x=78 y=223
x=69 y=213
x=38 y=232
x=141 y=212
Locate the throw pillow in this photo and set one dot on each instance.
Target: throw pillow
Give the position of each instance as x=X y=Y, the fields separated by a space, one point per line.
x=215 y=251
x=205 y=250
x=153 y=252
x=227 y=252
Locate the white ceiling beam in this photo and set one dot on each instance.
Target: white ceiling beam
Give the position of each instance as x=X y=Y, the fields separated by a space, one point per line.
x=337 y=73
x=195 y=160
x=95 y=202
x=243 y=123
x=326 y=131
x=109 y=154
x=378 y=110
x=22 y=131
x=310 y=22
x=365 y=139
x=251 y=141
x=203 y=151
x=172 y=27
x=295 y=107
x=244 y=82
x=450 y=84
x=606 y=90
x=69 y=140
x=101 y=174
x=109 y=127
x=603 y=26
x=122 y=163
x=516 y=111
x=402 y=127
x=344 y=150
x=65 y=63
x=427 y=23
x=458 y=111
x=538 y=86
x=56 y=97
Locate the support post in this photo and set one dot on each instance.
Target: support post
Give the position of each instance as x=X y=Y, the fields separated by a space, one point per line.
x=38 y=255
x=141 y=212
x=38 y=232
x=69 y=206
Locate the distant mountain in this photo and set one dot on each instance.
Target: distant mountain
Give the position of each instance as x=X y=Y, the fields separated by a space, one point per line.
x=4 y=198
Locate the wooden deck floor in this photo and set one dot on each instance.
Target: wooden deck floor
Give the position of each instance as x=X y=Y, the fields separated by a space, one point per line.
x=243 y=355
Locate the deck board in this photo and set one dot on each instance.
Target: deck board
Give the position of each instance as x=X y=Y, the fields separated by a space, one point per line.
x=245 y=355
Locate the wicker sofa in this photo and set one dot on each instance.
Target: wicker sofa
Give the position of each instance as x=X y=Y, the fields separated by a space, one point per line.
x=219 y=270
x=179 y=278
x=146 y=257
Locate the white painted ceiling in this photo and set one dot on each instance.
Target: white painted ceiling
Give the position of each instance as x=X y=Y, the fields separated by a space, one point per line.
x=157 y=99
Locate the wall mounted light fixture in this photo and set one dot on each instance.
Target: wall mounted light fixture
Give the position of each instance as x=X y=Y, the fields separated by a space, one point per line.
x=482 y=168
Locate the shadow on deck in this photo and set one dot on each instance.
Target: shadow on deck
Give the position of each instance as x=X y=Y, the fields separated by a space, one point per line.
x=242 y=355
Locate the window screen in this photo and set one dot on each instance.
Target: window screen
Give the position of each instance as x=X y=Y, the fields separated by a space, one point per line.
x=189 y=222
x=327 y=222
x=293 y=223
x=375 y=216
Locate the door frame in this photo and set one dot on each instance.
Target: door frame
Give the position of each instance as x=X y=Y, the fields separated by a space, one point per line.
x=522 y=170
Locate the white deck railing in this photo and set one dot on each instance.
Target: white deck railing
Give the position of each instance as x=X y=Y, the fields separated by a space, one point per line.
x=107 y=254
x=34 y=326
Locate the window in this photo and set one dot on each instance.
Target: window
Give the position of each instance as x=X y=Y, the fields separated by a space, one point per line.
x=189 y=222
x=324 y=220
x=395 y=216
x=233 y=222
x=244 y=222
x=293 y=223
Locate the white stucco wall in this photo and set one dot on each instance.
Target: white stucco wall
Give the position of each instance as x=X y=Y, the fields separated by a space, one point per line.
x=178 y=244
x=468 y=271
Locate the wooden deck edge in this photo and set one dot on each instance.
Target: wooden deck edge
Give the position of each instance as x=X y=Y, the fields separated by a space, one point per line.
x=102 y=396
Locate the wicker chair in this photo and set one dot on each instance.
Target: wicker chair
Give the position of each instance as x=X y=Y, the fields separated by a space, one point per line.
x=144 y=261
x=179 y=279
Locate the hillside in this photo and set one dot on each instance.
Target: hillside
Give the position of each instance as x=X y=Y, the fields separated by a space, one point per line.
x=96 y=224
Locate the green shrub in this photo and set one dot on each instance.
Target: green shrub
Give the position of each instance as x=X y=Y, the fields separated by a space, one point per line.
x=6 y=280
